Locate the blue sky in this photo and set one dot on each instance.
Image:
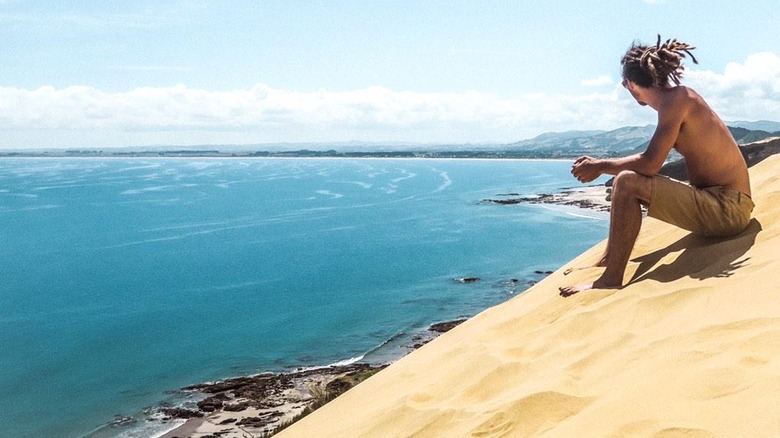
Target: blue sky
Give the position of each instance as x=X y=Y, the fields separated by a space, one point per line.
x=101 y=74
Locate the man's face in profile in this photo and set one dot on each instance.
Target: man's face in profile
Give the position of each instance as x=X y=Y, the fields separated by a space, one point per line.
x=631 y=87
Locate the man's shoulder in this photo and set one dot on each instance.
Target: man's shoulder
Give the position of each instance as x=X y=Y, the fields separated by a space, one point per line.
x=682 y=98
x=687 y=94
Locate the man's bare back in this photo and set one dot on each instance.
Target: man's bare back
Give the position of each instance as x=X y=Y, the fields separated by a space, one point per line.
x=711 y=155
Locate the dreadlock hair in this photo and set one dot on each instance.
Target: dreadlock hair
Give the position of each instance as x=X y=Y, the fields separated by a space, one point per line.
x=649 y=66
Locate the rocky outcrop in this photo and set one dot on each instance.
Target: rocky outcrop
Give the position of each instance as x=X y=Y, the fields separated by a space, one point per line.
x=571 y=197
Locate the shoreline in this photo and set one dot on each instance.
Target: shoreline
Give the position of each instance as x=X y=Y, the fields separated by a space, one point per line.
x=258 y=405
x=261 y=404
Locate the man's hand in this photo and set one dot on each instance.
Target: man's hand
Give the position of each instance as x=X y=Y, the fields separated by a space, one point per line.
x=586 y=169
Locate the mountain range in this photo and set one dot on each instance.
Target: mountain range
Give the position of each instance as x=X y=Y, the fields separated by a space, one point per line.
x=626 y=140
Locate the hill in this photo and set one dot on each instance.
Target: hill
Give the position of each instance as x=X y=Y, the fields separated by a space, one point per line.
x=761 y=125
x=619 y=142
x=602 y=143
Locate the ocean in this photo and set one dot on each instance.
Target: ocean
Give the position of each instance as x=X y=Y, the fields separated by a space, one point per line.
x=124 y=279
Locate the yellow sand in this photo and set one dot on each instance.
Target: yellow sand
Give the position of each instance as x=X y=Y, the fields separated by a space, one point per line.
x=691 y=347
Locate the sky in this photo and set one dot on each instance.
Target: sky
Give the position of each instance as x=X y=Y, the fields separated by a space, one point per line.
x=102 y=74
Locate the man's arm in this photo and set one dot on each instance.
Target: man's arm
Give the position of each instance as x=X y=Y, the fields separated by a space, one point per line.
x=649 y=162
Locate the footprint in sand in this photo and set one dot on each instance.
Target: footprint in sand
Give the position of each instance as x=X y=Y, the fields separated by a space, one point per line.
x=531 y=414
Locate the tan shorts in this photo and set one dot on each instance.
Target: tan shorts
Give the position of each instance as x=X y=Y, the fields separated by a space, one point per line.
x=712 y=211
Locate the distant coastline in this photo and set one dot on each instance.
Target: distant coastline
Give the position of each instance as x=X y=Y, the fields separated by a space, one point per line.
x=301 y=153
x=554 y=145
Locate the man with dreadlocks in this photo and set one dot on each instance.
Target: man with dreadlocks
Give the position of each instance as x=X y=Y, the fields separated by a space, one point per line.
x=716 y=202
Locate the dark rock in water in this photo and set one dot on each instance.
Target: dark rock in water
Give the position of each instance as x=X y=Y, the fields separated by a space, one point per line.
x=442 y=327
x=468 y=279
x=176 y=412
x=505 y=201
x=226 y=385
x=538 y=199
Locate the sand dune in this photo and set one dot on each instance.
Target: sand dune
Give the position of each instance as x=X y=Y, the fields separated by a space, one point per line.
x=691 y=347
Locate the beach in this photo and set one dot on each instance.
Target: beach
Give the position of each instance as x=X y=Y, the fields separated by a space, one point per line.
x=256 y=405
x=689 y=347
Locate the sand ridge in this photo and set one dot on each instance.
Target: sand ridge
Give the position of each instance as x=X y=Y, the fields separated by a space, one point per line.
x=690 y=347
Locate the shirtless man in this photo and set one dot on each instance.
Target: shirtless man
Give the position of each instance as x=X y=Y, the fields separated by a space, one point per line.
x=716 y=202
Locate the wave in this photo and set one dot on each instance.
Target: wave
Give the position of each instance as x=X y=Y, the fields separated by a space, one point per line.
x=139 y=428
x=156 y=189
x=407 y=175
x=37 y=207
x=18 y=195
x=447 y=181
x=331 y=194
x=138 y=167
x=362 y=184
x=396 y=338
x=390 y=189
x=196 y=229
x=586 y=216
x=597 y=216
x=340 y=363
x=232 y=286
x=173 y=426
x=346 y=362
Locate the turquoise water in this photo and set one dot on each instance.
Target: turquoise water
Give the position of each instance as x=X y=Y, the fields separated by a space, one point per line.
x=126 y=278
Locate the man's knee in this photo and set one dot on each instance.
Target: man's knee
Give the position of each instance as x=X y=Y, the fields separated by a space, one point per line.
x=631 y=184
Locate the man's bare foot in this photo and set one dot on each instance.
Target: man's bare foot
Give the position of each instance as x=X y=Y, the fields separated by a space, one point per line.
x=567 y=291
x=601 y=264
x=570 y=270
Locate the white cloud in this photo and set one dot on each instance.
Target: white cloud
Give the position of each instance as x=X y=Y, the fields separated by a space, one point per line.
x=265 y=114
x=82 y=116
x=747 y=91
